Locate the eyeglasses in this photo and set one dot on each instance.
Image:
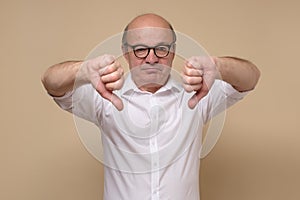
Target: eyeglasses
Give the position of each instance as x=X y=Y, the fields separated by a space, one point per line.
x=142 y=51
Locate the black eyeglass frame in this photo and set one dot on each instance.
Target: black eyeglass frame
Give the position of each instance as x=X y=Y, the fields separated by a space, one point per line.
x=169 y=46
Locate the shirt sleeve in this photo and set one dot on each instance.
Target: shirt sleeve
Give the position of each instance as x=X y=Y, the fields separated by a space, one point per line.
x=220 y=97
x=83 y=102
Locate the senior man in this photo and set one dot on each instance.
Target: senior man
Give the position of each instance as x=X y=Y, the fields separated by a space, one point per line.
x=163 y=122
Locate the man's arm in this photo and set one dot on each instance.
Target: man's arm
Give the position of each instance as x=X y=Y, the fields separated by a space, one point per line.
x=103 y=72
x=199 y=74
x=60 y=78
x=241 y=74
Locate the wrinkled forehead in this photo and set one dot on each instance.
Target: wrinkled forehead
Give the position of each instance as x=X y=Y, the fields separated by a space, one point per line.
x=149 y=36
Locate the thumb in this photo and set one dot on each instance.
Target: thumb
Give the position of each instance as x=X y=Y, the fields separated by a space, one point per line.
x=193 y=101
x=116 y=101
x=110 y=96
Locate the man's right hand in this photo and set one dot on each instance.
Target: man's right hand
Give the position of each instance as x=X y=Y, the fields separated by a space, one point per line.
x=106 y=75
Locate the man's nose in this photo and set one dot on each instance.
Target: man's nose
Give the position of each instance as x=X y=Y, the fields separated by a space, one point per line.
x=151 y=58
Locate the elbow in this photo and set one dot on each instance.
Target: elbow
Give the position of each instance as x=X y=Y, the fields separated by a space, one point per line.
x=44 y=80
x=256 y=75
x=251 y=80
x=50 y=84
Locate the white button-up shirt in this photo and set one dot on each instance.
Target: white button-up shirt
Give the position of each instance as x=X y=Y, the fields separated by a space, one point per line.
x=151 y=148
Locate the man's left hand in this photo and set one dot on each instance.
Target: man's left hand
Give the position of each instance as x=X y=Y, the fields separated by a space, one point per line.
x=199 y=74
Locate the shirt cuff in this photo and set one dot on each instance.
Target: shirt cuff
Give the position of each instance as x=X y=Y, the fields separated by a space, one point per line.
x=231 y=92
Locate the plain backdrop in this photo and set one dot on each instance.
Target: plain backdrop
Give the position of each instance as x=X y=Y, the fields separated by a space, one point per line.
x=41 y=155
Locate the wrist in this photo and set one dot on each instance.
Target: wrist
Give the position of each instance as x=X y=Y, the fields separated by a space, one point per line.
x=219 y=67
x=82 y=74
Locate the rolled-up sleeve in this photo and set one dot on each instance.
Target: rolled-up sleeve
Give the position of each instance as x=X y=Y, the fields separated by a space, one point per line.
x=220 y=97
x=84 y=102
x=65 y=102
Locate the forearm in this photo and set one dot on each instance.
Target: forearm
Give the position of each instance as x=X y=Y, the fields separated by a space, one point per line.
x=60 y=78
x=241 y=74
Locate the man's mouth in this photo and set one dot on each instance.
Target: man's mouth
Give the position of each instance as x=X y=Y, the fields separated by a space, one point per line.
x=152 y=68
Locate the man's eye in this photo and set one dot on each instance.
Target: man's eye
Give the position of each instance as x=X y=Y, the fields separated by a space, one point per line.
x=162 y=48
x=141 y=49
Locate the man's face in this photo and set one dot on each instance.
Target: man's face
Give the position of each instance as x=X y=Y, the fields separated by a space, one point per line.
x=150 y=53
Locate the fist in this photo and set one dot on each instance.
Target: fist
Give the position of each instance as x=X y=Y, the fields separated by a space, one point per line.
x=199 y=74
x=106 y=75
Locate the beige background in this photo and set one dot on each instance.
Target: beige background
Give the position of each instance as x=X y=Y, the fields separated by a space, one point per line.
x=257 y=156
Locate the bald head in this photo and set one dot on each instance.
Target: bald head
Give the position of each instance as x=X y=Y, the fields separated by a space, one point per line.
x=146 y=21
x=149 y=20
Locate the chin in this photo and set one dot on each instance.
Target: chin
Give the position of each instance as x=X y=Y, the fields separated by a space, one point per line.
x=151 y=79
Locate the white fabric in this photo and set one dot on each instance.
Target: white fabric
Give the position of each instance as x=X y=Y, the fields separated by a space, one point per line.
x=151 y=148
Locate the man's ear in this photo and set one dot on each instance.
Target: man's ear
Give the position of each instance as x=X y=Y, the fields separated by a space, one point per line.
x=173 y=50
x=125 y=53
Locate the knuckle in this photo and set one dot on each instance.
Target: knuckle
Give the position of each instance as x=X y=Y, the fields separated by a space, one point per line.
x=115 y=76
x=187 y=79
x=109 y=86
x=198 y=87
x=105 y=60
x=119 y=85
x=117 y=64
x=121 y=70
x=189 y=71
x=188 y=88
x=107 y=57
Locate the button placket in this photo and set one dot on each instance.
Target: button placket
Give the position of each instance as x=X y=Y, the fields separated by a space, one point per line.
x=154 y=151
x=154 y=168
